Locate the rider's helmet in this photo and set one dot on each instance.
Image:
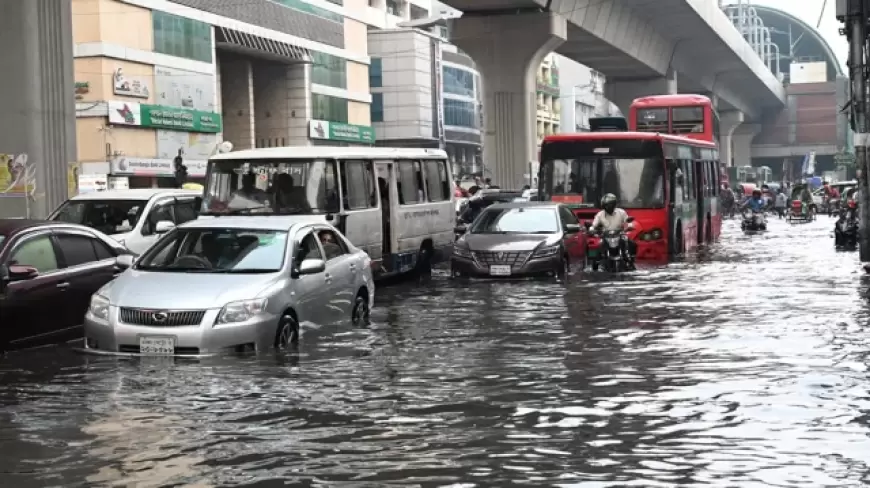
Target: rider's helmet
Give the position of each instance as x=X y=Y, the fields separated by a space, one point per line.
x=608 y=203
x=756 y=193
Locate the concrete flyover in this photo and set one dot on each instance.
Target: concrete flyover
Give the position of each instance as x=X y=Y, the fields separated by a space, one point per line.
x=643 y=47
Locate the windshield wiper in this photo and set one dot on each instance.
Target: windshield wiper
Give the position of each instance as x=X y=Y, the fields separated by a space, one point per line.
x=245 y=271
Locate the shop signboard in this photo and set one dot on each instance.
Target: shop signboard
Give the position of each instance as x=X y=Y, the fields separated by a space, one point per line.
x=338 y=131
x=180 y=88
x=162 y=117
x=124 y=166
x=129 y=86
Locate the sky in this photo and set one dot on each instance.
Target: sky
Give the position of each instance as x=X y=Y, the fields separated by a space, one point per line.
x=809 y=11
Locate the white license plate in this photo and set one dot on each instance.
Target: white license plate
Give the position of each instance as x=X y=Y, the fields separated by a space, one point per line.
x=157 y=346
x=499 y=270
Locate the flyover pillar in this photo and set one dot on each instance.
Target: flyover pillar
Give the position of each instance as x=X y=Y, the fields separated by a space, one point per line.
x=508 y=49
x=729 y=121
x=742 y=142
x=623 y=91
x=37 y=106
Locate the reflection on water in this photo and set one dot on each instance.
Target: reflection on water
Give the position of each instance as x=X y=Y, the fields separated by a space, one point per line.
x=745 y=367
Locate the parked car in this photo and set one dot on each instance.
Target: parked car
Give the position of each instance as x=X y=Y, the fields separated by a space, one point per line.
x=48 y=272
x=520 y=239
x=233 y=283
x=135 y=218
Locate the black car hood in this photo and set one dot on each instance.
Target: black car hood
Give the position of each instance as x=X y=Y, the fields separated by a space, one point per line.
x=508 y=242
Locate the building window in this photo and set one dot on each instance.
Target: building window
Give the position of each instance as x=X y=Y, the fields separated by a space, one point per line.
x=393 y=7
x=443 y=32
x=418 y=12
x=328 y=70
x=324 y=107
x=307 y=8
x=377 y=107
x=459 y=113
x=376 y=73
x=181 y=37
x=458 y=81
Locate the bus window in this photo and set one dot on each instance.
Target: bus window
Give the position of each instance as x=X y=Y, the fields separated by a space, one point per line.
x=410 y=183
x=358 y=185
x=436 y=181
x=571 y=177
x=688 y=181
x=687 y=120
x=652 y=120
x=715 y=126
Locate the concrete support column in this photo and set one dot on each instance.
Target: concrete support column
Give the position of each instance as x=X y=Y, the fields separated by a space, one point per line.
x=742 y=141
x=508 y=49
x=623 y=92
x=728 y=122
x=237 y=96
x=37 y=106
x=280 y=115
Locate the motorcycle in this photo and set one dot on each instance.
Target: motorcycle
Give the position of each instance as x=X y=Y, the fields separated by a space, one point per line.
x=607 y=253
x=846 y=228
x=753 y=221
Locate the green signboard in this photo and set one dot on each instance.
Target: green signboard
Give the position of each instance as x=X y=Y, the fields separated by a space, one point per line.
x=844 y=159
x=172 y=118
x=338 y=131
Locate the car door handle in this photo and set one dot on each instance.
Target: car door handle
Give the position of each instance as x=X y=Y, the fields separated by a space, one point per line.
x=63 y=286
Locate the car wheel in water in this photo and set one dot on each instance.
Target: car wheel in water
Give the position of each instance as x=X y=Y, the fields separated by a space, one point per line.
x=287 y=334
x=360 y=315
x=563 y=270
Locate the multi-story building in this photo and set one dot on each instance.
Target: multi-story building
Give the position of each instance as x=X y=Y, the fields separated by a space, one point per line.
x=159 y=77
x=582 y=96
x=425 y=93
x=549 y=106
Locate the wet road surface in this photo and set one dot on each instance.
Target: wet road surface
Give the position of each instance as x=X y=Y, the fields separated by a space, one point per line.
x=746 y=367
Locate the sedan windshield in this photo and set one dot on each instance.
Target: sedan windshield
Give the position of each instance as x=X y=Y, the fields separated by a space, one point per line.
x=517 y=221
x=107 y=216
x=217 y=251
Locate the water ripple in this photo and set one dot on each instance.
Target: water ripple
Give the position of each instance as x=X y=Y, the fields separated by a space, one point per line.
x=745 y=366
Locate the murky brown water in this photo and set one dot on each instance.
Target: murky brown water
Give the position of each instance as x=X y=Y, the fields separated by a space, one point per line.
x=747 y=368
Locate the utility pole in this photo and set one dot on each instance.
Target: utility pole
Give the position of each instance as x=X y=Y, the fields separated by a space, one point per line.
x=853 y=14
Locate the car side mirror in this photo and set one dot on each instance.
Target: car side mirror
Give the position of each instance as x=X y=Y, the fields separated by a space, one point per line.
x=163 y=227
x=572 y=228
x=124 y=261
x=17 y=272
x=460 y=229
x=311 y=266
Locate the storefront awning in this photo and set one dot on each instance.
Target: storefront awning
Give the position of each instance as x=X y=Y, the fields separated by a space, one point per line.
x=256 y=46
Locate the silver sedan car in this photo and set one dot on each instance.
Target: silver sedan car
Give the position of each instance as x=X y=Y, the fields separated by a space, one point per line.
x=231 y=284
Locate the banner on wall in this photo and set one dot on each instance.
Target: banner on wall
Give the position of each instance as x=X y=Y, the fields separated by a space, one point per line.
x=181 y=88
x=194 y=145
x=155 y=167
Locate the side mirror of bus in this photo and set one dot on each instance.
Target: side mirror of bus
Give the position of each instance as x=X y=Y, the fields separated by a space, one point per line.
x=629 y=220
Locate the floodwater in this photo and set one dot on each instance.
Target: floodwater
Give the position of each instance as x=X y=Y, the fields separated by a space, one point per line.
x=743 y=368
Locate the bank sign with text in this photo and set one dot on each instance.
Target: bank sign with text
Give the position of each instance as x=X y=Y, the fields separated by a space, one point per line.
x=338 y=131
x=160 y=117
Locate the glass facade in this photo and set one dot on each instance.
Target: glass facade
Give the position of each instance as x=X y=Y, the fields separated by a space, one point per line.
x=458 y=81
x=377 y=108
x=460 y=113
x=376 y=73
x=178 y=36
x=324 y=107
x=306 y=7
x=328 y=70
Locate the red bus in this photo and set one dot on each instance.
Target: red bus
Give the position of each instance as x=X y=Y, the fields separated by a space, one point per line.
x=669 y=184
x=691 y=116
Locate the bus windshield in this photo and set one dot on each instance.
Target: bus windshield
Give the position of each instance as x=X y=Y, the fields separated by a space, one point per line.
x=636 y=182
x=285 y=186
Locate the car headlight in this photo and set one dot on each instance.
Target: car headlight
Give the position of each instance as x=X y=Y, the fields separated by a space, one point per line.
x=547 y=251
x=235 y=312
x=99 y=307
x=462 y=252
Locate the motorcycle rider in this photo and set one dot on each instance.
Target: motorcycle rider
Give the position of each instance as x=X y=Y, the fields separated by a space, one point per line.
x=612 y=218
x=756 y=202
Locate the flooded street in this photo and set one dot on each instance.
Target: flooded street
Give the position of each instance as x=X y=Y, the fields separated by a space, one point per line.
x=745 y=367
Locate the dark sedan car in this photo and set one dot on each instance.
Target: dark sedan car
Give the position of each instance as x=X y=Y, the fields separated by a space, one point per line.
x=520 y=239
x=48 y=272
